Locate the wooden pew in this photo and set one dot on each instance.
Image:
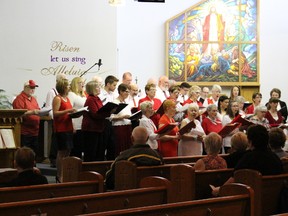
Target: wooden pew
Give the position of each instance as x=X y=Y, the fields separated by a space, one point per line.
x=72 y=165
x=93 y=183
x=128 y=176
x=235 y=199
x=186 y=159
x=7 y=174
x=266 y=188
x=214 y=177
x=154 y=191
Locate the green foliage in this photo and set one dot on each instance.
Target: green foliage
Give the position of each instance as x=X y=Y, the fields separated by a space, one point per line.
x=4 y=100
x=176 y=68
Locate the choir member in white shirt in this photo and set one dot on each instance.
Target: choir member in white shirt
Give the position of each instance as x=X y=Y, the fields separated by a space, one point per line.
x=77 y=99
x=162 y=92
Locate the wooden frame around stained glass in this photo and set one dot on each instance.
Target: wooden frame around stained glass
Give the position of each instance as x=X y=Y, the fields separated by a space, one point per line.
x=214 y=41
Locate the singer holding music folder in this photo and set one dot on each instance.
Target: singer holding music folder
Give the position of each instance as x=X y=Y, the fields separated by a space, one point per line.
x=169 y=146
x=121 y=123
x=231 y=113
x=93 y=125
x=191 y=142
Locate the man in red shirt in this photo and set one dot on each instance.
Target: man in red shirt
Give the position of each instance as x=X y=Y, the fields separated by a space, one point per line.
x=31 y=120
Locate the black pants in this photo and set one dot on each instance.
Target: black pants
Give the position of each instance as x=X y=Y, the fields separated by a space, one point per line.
x=53 y=149
x=77 y=144
x=109 y=141
x=30 y=141
x=94 y=148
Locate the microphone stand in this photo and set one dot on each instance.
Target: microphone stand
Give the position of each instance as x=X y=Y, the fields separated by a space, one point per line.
x=90 y=68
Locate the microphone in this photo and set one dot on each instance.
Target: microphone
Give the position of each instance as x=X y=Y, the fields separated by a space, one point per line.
x=99 y=65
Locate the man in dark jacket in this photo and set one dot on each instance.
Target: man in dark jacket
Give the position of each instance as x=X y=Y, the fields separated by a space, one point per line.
x=27 y=174
x=140 y=153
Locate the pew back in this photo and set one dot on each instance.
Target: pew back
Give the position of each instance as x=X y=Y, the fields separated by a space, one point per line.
x=267 y=189
x=157 y=191
x=234 y=198
x=128 y=176
x=72 y=165
x=214 y=177
x=22 y=193
x=185 y=181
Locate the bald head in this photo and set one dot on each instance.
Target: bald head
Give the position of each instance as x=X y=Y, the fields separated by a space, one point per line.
x=127 y=78
x=139 y=135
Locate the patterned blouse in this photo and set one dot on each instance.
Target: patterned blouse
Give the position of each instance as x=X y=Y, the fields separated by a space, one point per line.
x=214 y=162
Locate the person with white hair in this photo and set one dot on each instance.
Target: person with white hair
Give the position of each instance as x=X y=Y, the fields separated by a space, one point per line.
x=140 y=153
x=191 y=142
x=133 y=97
x=259 y=116
x=162 y=92
x=215 y=94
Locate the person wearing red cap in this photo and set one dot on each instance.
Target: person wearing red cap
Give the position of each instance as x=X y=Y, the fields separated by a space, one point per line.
x=31 y=120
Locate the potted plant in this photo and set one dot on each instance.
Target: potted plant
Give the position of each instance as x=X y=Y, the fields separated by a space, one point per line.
x=4 y=100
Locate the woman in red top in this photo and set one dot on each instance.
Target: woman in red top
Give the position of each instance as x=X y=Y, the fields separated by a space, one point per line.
x=93 y=125
x=62 y=124
x=256 y=99
x=213 y=145
x=274 y=117
x=211 y=123
x=194 y=93
x=168 y=147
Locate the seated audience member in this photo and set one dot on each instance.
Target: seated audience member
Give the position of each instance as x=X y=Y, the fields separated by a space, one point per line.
x=239 y=145
x=259 y=116
x=273 y=116
x=191 y=142
x=27 y=175
x=211 y=123
x=212 y=145
x=140 y=153
x=277 y=140
x=260 y=158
